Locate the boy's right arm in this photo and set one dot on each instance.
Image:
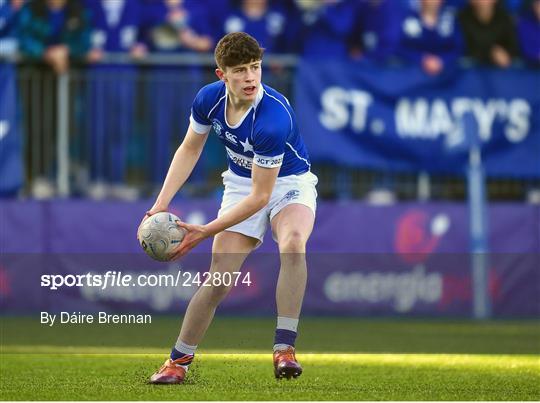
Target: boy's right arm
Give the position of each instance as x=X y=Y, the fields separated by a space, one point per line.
x=182 y=165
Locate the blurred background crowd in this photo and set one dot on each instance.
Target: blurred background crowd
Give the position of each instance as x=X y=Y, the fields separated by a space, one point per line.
x=433 y=33
x=131 y=73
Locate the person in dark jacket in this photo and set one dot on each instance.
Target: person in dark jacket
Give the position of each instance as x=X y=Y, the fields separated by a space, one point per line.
x=490 y=35
x=54 y=31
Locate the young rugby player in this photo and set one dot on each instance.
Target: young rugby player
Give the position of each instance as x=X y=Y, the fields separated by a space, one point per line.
x=268 y=182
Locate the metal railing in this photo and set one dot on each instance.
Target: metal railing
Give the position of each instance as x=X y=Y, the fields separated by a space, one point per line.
x=117 y=124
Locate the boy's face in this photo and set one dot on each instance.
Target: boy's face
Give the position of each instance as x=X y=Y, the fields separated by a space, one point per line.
x=243 y=81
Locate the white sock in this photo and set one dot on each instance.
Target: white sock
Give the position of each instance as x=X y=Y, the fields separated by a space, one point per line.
x=185 y=348
x=287 y=323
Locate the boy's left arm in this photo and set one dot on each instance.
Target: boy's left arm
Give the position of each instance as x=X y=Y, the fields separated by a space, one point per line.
x=263 y=180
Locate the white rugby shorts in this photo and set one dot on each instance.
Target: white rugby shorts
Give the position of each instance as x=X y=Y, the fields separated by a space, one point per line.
x=287 y=190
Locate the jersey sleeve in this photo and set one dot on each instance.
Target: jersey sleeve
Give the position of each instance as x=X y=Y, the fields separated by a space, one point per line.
x=270 y=141
x=199 y=120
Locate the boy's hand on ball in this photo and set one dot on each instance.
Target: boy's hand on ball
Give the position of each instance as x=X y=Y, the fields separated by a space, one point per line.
x=193 y=236
x=155 y=209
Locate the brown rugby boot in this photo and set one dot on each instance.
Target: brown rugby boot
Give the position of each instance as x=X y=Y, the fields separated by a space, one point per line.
x=285 y=364
x=171 y=372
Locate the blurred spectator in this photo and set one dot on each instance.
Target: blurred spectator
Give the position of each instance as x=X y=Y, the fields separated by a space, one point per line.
x=11 y=174
x=213 y=12
x=9 y=25
x=115 y=29
x=258 y=18
x=529 y=33
x=452 y=4
x=327 y=28
x=377 y=29
x=430 y=37
x=176 y=26
x=489 y=31
x=172 y=27
x=55 y=31
x=513 y=6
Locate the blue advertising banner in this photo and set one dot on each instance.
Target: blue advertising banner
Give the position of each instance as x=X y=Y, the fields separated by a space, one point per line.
x=404 y=120
x=408 y=259
x=11 y=174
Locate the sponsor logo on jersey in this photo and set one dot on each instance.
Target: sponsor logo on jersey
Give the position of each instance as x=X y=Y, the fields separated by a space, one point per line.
x=231 y=138
x=269 y=162
x=239 y=159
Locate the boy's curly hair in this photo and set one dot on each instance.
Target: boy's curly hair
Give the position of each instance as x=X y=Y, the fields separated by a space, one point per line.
x=237 y=48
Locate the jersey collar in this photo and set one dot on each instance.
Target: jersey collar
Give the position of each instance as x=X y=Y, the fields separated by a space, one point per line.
x=259 y=96
x=257 y=99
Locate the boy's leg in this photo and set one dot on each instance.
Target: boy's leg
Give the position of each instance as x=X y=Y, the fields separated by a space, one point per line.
x=229 y=251
x=292 y=227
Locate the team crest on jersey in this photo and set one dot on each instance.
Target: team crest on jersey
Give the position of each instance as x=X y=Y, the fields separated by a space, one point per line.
x=216 y=125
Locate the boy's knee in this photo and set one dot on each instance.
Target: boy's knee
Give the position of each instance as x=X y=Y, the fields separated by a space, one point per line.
x=293 y=242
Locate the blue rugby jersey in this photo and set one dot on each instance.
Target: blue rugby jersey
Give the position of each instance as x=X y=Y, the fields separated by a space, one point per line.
x=269 y=29
x=443 y=40
x=267 y=135
x=115 y=30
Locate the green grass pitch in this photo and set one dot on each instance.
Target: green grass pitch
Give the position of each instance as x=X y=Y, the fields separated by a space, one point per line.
x=343 y=359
